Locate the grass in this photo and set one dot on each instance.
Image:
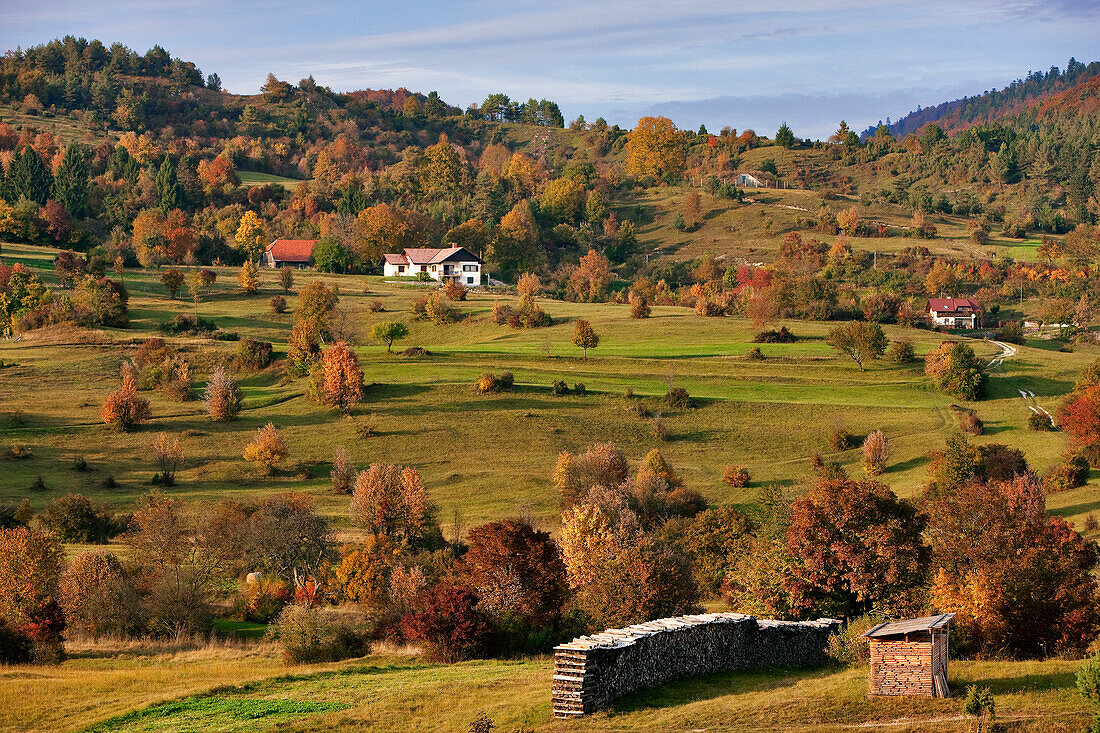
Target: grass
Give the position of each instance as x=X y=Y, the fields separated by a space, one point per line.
x=770 y=416
x=256 y=178
x=105 y=687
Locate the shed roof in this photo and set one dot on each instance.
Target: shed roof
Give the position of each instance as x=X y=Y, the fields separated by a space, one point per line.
x=909 y=626
x=291 y=250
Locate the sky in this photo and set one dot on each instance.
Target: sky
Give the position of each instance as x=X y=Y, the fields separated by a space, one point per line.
x=713 y=62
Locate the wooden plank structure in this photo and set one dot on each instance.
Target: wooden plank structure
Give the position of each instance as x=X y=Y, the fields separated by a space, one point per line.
x=910 y=657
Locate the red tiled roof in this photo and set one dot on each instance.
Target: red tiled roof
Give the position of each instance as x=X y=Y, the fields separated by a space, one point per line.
x=395 y=258
x=952 y=305
x=291 y=250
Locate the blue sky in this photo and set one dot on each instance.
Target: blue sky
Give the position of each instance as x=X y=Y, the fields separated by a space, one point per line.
x=737 y=63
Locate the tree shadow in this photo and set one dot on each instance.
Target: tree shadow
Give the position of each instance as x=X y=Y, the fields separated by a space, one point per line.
x=912 y=463
x=693 y=689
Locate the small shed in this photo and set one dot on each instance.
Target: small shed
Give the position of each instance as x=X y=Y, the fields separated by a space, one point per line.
x=910 y=657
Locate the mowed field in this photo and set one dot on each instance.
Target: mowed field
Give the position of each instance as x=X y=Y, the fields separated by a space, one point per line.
x=483 y=458
x=130 y=688
x=487 y=457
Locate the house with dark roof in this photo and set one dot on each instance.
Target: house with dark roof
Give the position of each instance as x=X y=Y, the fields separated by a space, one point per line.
x=289 y=253
x=954 y=312
x=454 y=264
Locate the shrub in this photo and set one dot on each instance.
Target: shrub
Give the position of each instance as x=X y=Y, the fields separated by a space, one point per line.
x=438 y=308
x=979 y=703
x=579 y=388
x=487 y=384
x=755 y=354
x=20 y=452
x=252 y=354
x=842 y=440
x=376 y=306
x=449 y=623
x=416 y=352
x=152 y=351
x=847 y=647
x=278 y=304
x=124 y=409
x=76 y=518
x=560 y=387
x=267 y=448
x=678 y=399
x=81 y=464
x=639 y=308
x=15 y=646
x=223 y=396
x=481 y=724
x=310 y=635
x=660 y=429
x=502 y=313
x=264 y=600
x=455 y=290
x=1040 y=421
x=168 y=455
x=419 y=309
x=187 y=323
x=39 y=484
x=1074 y=472
x=901 y=352
x=782 y=336
x=507 y=380
x=735 y=476
x=1012 y=332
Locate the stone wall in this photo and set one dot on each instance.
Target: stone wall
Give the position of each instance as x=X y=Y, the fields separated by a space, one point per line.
x=591 y=671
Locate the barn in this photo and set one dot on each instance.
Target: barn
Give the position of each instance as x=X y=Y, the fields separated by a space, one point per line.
x=910 y=657
x=295 y=253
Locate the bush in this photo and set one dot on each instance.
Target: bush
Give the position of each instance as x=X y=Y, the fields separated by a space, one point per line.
x=736 y=476
x=449 y=624
x=901 y=352
x=487 y=384
x=842 y=440
x=979 y=703
x=560 y=387
x=579 y=388
x=1070 y=475
x=20 y=452
x=309 y=635
x=278 y=304
x=376 y=306
x=124 y=409
x=15 y=646
x=847 y=647
x=782 y=336
x=254 y=355
x=1040 y=421
x=76 y=518
x=678 y=399
x=955 y=369
x=186 y=323
x=507 y=380
x=1012 y=332
x=97 y=596
x=223 y=396
x=876 y=451
x=755 y=354
x=455 y=290
x=639 y=308
x=502 y=313
x=438 y=308
x=80 y=464
x=267 y=448
x=264 y=601
x=970 y=423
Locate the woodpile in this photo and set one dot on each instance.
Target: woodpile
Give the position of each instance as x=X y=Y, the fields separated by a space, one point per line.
x=591 y=671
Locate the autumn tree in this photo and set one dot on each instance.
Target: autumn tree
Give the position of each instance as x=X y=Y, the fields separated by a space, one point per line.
x=575 y=474
x=941 y=279
x=516 y=571
x=590 y=280
x=516 y=246
x=342 y=383
x=167 y=455
x=448 y=622
x=124 y=409
x=30 y=570
x=387 y=332
x=585 y=337
x=656 y=148
x=391 y=500
x=956 y=370
x=855 y=546
x=876 y=451
x=286 y=279
x=266 y=448
x=692 y=208
x=223 y=396
x=858 y=341
x=303 y=349
x=1000 y=561
x=248 y=277
x=98 y=597
x=1080 y=416
x=251 y=236
x=316 y=304
x=172 y=280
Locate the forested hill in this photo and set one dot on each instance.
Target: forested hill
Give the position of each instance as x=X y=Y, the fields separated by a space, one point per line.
x=991 y=105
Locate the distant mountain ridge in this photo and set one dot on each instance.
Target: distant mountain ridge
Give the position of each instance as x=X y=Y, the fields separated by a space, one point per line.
x=1037 y=88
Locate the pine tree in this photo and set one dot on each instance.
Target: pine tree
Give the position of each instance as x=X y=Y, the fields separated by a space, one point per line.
x=170 y=194
x=71 y=184
x=29 y=177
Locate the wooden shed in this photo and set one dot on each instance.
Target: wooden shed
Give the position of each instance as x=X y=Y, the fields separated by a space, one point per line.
x=910 y=657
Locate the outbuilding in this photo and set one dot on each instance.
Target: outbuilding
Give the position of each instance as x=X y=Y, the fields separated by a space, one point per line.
x=910 y=657
x=295 y=253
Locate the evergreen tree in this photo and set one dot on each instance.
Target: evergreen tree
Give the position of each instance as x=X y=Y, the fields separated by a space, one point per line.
x=71 y=184
x=29 y=177
x=784 y=138
x=170 y=193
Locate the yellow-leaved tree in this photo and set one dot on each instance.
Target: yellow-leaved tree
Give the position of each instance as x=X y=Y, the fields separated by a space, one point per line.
x=251 y=236
x=657 y=149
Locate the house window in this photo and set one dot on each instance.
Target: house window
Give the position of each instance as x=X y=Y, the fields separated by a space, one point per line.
x=469 y=268
x=433 y=268
x=469 y=281
x=400 y=269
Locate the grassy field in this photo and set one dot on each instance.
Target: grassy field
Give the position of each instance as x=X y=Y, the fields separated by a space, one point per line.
x=135 y=687
x=770 y=416
x=256 y=178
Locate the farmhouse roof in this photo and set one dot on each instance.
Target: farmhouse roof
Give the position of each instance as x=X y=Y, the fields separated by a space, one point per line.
x=395 y=258
x=433 y=256
x=291 y=250
x=952 y=305
x=909 y=626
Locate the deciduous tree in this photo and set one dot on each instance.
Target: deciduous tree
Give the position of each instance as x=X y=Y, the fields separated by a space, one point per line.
x=858 y=341
x=585 y=337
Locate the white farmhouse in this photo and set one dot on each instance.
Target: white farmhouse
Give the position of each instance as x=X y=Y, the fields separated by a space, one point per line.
x=456 y=264
x=954 y=312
